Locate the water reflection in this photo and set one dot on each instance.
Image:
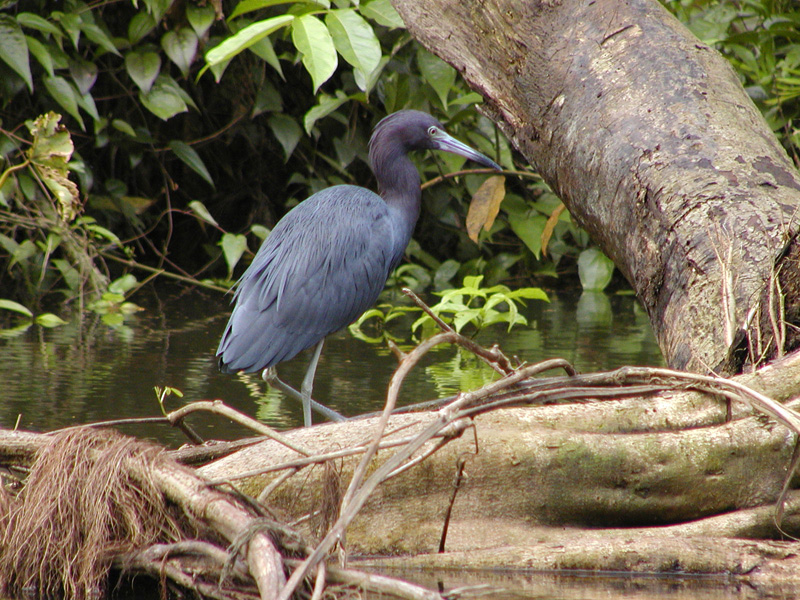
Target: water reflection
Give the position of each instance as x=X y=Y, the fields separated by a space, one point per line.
x=86 y=371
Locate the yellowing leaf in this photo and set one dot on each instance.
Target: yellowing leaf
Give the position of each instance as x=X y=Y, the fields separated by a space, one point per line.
x=485 y=205
x=552 y=220
x=50 y=152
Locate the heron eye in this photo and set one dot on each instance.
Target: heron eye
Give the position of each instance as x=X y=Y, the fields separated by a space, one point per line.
x=432 y=131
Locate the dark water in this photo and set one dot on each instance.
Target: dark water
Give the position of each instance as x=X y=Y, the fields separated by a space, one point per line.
x=86 y=371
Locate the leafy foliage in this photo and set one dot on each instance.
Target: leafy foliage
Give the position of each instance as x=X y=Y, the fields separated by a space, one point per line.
x=472 y=304
x=194 y=122
x=761 y=38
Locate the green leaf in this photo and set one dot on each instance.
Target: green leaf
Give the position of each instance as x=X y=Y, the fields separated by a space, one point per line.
x=233 y=246
x=265 y=51
x=192 y=159
x=99 y=37
x=49 y=320
x=123 y=285
x=245 y=38
x=140 y=26
x=439 y=75
x=595 y=269
x=354 y=39
x=124 y=127
x=163 y=99
x=247 y=6
x=15 y=307
x=287 y=132
x=104 y=233
x=14 y=49
x=327 y=104
x=143 y=66
x=199 y=209
x=66 y=96
x=200 y=18
x=382 y=12
x=259 y=231
x=71 y=24
x=529 y=229
x=181 y=47
x=84 y=74
x=158 y=8
x=32 y=21
x=41 y=53
x=314 y=42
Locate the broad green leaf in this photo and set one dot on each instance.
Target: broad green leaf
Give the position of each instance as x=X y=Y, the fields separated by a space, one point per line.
x=354 y=39
x=367 y=81
x=243 y=39
x=41 y=53
x=286 y=131
x=102 y=232
x=181 y=47
x=252 y=5
x=84 y=74
x=595 y=269
x=201 y=211
x=259 y=231
x=529 y=229
x=529 y=293
x=66 y=95
x=268 y=99
x=86 y=102
x=124 y=127
x=140 y=26
x=49 y=320
x=200 y=18
x=32 y=21
x=327 y=104
x=14 y=49
x=439 y=75
x=191 y=158
x=158 y=8
x=382 y=12
x=314 y=42
x=15 y=307
x=143 y=66
x=265 y=51
x=163 y=99
x=123 y=285
x=233 y=246
x=71 y=24
x=99 y=37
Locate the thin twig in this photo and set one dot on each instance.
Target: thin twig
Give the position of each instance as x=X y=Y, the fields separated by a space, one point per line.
x=220 y=408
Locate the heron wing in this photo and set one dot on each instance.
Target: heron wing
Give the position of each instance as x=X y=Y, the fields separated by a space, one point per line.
x=323 y=265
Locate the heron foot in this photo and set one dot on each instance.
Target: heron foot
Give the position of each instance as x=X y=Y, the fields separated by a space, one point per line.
x=271 y=377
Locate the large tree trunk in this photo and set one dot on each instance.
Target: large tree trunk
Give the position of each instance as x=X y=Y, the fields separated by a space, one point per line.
x=651 y=142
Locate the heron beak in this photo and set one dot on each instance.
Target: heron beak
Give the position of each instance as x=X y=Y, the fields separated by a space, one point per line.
x=450 y=144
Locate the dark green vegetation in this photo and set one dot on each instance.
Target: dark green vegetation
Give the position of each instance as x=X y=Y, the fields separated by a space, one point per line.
x=195 y=125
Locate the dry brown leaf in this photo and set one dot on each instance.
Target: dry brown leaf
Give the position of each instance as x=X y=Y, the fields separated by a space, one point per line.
x=485 y=205
x=547 y=232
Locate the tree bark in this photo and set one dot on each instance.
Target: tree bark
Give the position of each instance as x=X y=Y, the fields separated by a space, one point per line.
x=649 y=139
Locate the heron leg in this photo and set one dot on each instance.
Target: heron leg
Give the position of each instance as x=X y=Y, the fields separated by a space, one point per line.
x=271 y=377
x=308 y=383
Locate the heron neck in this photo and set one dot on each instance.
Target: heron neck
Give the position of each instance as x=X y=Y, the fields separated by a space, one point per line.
x=399 y=186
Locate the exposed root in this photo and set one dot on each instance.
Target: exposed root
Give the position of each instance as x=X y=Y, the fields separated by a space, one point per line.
x=77 y=510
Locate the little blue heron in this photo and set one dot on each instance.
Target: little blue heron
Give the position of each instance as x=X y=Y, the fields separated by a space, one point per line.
x=328 y=259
